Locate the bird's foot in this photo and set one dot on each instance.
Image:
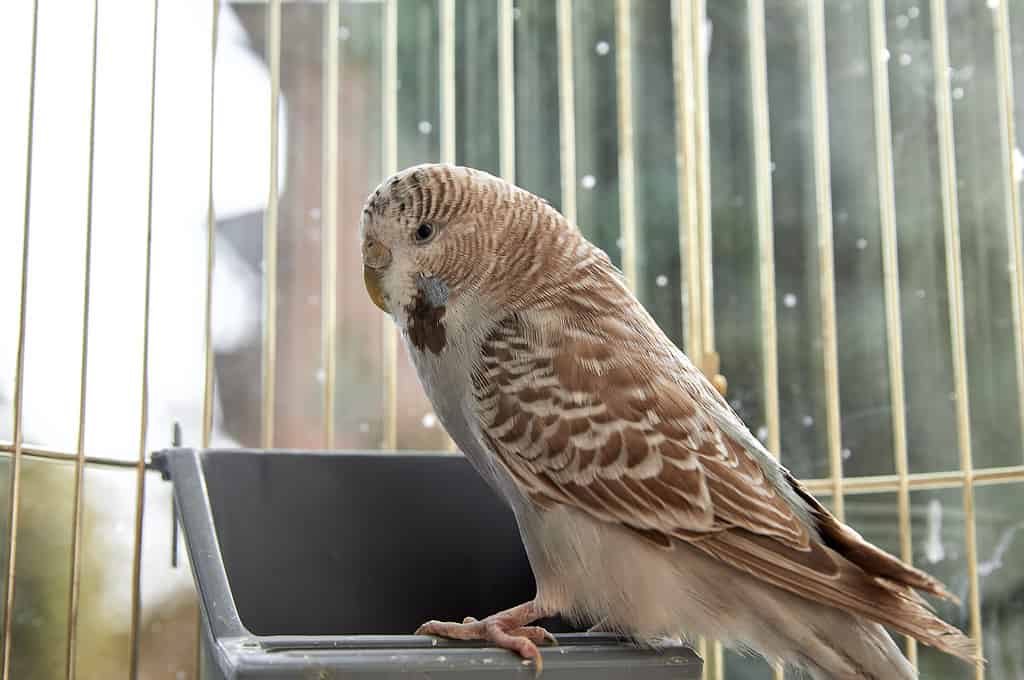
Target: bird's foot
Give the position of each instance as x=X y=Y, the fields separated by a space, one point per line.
x=508 y=630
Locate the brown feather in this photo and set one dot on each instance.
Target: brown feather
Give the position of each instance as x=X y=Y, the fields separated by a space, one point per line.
x=871 y=559
x=822 y=575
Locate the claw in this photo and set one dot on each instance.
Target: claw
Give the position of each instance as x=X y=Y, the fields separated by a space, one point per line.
x=426 y=627
x=530 y=653
x=538 y=665
x=535 y=634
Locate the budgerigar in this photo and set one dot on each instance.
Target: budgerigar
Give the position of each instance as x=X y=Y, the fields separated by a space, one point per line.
x=645 y=504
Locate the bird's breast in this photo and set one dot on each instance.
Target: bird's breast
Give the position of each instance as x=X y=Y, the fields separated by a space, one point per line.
x=446 y=382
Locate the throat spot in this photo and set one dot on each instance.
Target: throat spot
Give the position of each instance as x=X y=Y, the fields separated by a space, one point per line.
x=426 y=312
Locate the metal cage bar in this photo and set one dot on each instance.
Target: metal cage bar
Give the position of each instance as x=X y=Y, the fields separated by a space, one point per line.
x=701 y=250
x=19 y=370
x=211 y=254
x=687 y=208
x=954 y=281
x=329 y=222
x=826 y=254
x=270 y=224
x=702 y=168
x=79 y=479
x=447 y=77
x=211 y=234
x=682 y=79
x=627 y=168
x=680 y=18
x=566 y=110
x=1007 y=106
x=389 y=431
x=765 y=219
x=506 y=91
x=446 y=16
x=891 y=276
x=140 y=467
x=40 y=453
x=949 y=479
x=758 y=64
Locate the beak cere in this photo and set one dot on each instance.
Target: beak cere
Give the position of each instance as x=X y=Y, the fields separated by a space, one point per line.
x=376 y=256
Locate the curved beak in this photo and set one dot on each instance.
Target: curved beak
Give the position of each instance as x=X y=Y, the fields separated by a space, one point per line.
x=376 y=257
x=371 y=279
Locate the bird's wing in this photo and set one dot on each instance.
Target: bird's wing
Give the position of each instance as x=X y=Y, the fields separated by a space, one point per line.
x=623 y=435
x=606 y=417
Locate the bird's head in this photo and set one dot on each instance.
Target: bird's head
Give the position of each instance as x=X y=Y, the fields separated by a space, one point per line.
x=439 y=240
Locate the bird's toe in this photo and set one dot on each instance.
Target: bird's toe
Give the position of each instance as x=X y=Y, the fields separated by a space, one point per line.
x=535 y=634
x=468 y=630
x=498 y=631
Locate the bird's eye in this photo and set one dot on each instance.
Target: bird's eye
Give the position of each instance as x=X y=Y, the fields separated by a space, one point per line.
x=424 y=232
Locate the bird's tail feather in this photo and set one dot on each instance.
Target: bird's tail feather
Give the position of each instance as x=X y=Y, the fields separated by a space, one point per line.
x=855 y=649
x=897 y=604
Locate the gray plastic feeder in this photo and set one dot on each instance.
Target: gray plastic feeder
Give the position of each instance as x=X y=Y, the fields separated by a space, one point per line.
x=320 y=565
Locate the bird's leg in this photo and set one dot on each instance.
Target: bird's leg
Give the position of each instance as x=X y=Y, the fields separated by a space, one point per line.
x=507 y=629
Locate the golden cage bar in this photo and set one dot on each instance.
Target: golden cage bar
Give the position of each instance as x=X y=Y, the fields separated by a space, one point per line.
x=692 y=139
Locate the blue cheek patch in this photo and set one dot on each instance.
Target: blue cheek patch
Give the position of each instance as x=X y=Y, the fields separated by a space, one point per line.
x=434 y=290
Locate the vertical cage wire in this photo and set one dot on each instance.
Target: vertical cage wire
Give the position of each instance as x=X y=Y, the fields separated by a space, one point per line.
x=686 y=207
x=692 y=171
x=718 y=660
x=765 y=219
x=891 y=278
x=506 y=91
x=566 y=110
x=329 y=224
x=702 y=186
x=389 y=432
x=1007 y=106
x=270 y=220
x=682 y=78
x=140 y=469
x=19 y=369
x=211 y=226
x=627 y=169
x=954 y=282
x=758 y=64
x=447 y=75
x=79 y=479
x=826 y=255
x=447 y=89
x=701 y=249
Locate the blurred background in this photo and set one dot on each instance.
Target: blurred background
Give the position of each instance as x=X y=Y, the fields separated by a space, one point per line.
x=821 y=197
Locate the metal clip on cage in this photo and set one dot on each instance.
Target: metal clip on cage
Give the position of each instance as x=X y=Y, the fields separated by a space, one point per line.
x=317 y=564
